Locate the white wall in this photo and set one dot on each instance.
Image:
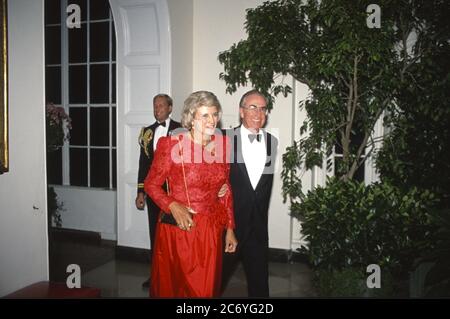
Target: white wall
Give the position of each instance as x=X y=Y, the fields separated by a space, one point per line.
x=217 y=25
x=89 y=209
x=181 y=31
x=23 y=205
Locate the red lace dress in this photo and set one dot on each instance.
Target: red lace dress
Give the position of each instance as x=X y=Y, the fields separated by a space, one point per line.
x=189 y=263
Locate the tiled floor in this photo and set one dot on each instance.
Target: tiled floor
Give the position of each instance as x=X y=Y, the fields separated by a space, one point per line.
x=119 y=278
x=123 y=278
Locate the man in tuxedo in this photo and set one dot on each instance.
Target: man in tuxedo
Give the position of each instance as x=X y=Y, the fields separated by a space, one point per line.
x=251 y=178
x=148 y=139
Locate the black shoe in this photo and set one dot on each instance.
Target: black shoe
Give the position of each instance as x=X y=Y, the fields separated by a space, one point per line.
x=146 y=284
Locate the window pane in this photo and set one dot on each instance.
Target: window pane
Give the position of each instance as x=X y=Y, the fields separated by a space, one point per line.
x=54 y=167
x=113 y=84
x=113 y=124
x=99 y=122
x=114 y=169
x=53 y=45
x=99 y=38
x=99 y=9
x=53 y=84
x=83 y=8
x=99 y=83
x=113 y=47
x=77 y=84
x=78 y=133
x=99 y=168
x=52 y=11
x=77 y=44
x=78 y=166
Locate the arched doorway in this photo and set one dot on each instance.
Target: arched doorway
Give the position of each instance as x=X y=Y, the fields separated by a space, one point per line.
x=141 y=69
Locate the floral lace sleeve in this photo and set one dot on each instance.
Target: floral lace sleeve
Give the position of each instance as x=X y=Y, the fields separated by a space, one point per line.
x=158 y=173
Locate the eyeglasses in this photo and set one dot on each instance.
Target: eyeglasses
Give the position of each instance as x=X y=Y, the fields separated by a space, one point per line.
x=254 y=109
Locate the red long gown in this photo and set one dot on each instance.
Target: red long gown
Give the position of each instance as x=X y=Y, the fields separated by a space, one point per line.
x=189 y=263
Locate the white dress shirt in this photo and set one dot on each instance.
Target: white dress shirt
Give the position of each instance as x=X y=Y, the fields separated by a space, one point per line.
x=254 y=154
x=159 y=132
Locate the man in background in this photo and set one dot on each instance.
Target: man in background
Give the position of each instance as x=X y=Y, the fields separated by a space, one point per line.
x=148 y=139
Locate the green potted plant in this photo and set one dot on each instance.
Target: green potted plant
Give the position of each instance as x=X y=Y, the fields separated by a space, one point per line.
x=58 y=124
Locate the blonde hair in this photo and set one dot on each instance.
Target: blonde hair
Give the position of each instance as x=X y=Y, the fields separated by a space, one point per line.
x=193 y=102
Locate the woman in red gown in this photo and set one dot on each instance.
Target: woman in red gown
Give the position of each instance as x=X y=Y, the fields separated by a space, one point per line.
x=187 y=261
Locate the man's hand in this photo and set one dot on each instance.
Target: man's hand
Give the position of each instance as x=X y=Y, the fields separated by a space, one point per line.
x=230 y=241
x=140 y=201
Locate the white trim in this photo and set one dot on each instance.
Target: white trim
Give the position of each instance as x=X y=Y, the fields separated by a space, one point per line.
x=65 y=152
x=371 y=174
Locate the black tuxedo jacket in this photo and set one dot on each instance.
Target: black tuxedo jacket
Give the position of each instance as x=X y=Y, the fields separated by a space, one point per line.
x=146 y=157
x=251 y=205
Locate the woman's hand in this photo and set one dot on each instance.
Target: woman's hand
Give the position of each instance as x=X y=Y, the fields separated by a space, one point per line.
x=230 y=241
x=223 y=190
x=183 y=215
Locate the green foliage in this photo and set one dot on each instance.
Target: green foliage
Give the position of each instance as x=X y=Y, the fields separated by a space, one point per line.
x=432 y=275
x=355 y=75
x=350 y=225
x=55 y=136
x=416 y=152
x=352 y=71
x=351 y=282
x=340 y=283
x=56 y=121
x=54 y=207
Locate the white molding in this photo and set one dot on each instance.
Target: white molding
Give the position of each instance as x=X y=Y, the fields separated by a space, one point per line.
x=127 y=46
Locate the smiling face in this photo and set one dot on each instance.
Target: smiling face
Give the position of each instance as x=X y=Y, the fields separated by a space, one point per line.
x=161 y=109
x=256 y=118
x=205 y=120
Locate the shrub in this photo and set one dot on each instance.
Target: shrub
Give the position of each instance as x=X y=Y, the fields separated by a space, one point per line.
x=54 y=208
x=350 y=225
x=431 y=278
x=58 y=123
x=351 y=282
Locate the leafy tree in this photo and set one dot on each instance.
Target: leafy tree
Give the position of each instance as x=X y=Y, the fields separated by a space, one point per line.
x=354 y=73
x=416 y=151
x=357 y=75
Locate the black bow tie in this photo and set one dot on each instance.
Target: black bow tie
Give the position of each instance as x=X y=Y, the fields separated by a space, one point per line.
x=162 y=124
x=252 y=137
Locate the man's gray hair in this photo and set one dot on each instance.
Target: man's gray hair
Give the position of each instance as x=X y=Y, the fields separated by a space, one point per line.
x=252 y=92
